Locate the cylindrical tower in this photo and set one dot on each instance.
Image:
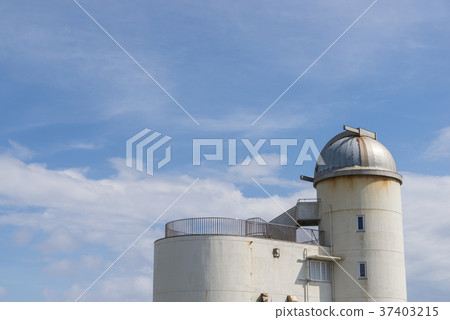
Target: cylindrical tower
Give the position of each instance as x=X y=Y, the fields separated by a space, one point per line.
x=360 y=209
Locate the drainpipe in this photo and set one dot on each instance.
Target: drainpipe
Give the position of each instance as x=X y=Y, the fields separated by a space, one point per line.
x=331 y=228
x=331 y=251
x=305 y=258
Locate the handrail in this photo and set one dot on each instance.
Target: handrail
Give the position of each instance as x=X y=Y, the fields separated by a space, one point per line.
x=302 y=200
x=254 y=227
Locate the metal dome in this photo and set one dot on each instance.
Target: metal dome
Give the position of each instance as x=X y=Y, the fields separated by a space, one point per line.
x=355 y=152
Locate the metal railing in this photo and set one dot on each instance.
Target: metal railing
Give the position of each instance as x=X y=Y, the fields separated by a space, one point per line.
x=254 y=227
x=308 y=200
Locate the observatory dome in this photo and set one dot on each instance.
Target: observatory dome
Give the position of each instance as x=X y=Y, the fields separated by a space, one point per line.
x=355 y=152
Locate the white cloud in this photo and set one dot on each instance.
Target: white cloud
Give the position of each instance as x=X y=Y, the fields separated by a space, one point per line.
x=118 y=288
x=69 y=196
x=87 y=263
x=73 y=213
x=80 y=212
x=440 y=147
x=59 y=241
x=426 y=224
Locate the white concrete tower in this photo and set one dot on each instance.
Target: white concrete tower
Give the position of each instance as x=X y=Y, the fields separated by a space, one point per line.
x=358 y=188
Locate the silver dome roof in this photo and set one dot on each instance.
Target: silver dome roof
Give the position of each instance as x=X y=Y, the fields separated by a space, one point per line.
x=355 y=152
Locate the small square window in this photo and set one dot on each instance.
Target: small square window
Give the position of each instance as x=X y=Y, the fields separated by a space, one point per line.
x=362 y=270
x=360 y=225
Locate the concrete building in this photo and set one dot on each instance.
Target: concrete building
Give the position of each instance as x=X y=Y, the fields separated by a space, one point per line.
x=345 y=246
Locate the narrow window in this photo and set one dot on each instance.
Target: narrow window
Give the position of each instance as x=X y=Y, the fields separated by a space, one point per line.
x=320 y=270
x=362 y=270
x=314 y=270
x=360 y=223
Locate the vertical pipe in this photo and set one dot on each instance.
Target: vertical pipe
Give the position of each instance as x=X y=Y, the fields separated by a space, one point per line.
x=331 y=229
x=307 y=281
x=331 y=251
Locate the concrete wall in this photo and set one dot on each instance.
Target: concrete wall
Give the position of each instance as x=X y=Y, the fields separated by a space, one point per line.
x=233 y=268
x=307 y=210
x=378 y=199
x=306 y=213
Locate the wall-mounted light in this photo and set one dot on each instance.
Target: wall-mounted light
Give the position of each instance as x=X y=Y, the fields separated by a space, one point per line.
x=276 y=252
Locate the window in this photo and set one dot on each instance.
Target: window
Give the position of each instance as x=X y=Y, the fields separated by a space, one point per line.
x=320 y=270
x=362 y=270
x=360 y=223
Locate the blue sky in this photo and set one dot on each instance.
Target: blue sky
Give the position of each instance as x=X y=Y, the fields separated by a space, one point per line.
x=70 y=98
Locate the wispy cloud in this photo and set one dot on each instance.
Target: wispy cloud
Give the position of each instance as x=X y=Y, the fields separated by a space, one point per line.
x=81 y=146
x=76 y=267
x=2 y=292
x=22 y=237
x=20 y=151
x=240 y=120
x=68 y=57
x=59 y=241
x=439 y=148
